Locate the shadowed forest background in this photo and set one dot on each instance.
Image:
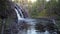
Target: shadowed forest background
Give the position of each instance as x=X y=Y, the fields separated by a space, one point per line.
x=34 y=8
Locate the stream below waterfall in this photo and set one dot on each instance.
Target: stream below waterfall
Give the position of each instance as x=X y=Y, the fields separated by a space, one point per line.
x=31 y=28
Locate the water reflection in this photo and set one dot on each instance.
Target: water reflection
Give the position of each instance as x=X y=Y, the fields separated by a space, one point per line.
x=37 y=28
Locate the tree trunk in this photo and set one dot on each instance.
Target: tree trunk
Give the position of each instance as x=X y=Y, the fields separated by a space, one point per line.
x=3 y=23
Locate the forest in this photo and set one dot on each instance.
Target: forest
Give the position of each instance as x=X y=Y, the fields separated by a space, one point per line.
x=9 y=18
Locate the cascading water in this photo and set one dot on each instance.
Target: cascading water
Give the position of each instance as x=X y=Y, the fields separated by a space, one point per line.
x=19 y=13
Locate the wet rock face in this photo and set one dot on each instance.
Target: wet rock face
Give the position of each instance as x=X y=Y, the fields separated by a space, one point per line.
x=58 y=32
x=50 y=27
x=23 y=25
x=40 y=27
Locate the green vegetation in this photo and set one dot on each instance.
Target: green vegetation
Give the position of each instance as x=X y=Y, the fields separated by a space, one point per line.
x=43 y=8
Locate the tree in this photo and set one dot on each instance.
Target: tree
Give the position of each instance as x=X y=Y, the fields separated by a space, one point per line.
x=58 y=8
x=7 y=12
x=51 y=7
x=37 y=8
x=3 y=13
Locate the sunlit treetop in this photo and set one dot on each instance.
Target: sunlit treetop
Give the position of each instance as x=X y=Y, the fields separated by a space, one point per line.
x=47 y=0
x=32 y=1
x=13 y=0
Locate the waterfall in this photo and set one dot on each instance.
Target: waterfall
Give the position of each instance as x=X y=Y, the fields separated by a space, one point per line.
x=19 y=13
x=18 y=16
